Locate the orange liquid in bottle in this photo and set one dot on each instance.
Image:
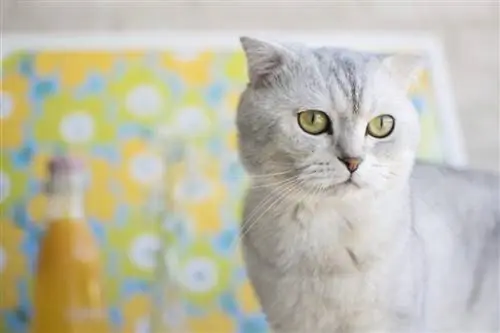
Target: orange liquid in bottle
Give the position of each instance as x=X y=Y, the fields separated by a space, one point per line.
x=68 y=296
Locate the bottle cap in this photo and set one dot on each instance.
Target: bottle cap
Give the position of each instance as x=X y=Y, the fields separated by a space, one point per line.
x=65 y=164
x=65 y=174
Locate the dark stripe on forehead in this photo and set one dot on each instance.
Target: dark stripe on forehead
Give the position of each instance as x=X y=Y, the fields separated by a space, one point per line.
x=330 y=64
x=353 y=77
x=341 y=83
x=347 y=69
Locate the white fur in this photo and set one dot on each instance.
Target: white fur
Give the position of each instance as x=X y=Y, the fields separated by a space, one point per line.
x=382 y=253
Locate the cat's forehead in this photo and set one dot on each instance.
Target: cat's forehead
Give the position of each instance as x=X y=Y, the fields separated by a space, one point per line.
x=346 y=76
x=344 y=60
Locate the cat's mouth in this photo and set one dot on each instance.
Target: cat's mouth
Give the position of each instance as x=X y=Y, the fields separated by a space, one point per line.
x=350 y=181
x=333 y=189
x=328 y=181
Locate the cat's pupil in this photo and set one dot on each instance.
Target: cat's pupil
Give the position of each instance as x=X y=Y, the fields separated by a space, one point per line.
x=381 y=122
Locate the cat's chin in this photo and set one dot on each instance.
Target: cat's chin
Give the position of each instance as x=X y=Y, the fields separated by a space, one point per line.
x=346 y=187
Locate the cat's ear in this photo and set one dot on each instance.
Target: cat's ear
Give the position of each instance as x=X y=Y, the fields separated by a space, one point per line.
x=263 y=58
x=405 y=68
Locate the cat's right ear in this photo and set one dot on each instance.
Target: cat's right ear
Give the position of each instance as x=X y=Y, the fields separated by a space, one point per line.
x=405 y=68
x=263 y=59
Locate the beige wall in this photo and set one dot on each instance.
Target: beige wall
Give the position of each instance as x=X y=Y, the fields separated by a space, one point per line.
x=469 y=30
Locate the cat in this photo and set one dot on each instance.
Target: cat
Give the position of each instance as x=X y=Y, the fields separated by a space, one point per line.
x=343 y=230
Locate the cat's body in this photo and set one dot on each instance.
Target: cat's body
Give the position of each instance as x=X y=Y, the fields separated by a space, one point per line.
x=322 y=266
x=385 y=246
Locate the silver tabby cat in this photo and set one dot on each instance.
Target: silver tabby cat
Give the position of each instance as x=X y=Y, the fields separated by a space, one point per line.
x=343 y=231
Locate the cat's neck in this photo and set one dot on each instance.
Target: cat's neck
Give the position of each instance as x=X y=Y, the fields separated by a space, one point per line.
x=330 y=234
x=376 y=207
x=370 y=228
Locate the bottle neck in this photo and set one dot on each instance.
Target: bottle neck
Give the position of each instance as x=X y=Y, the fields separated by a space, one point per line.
x=65 y=198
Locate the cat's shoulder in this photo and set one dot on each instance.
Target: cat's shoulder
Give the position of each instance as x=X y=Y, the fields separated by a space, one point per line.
x=451 y=184
x=433 y=173
x=447 y=198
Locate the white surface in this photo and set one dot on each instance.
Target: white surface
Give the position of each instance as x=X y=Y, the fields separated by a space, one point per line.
x=199 y=275
x=77 y=127
x=6 y=105
x=4 y=186
x=143 y=250
x=146 y=168
x=144 y=101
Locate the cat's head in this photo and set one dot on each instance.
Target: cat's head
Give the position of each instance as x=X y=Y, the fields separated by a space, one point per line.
x=336 y=121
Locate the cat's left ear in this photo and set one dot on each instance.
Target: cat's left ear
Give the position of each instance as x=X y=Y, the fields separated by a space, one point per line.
x=404 y=68
x=263 y=58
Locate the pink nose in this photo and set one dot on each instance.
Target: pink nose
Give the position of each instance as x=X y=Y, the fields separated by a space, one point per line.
x=351 y=163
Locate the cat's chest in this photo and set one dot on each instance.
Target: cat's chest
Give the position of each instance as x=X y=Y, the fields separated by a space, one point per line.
x=325 y=239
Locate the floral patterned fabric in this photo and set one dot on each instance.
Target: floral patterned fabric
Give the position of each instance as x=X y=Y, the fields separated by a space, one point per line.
x=103 y=105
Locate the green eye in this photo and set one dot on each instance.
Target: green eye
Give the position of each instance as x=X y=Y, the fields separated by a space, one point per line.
x=381 y=126
x=314 y=122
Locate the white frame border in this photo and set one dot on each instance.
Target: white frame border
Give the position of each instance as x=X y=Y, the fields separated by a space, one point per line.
x=452 y=139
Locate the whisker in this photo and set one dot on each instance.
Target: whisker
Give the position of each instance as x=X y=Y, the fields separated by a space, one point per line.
x=294 y=187
x=269 y=202
x=257 y=219
x=249 y=223
x=269 y=197
x=262 y=176
x=310 y=193
x=271 y=174
x=273 y=184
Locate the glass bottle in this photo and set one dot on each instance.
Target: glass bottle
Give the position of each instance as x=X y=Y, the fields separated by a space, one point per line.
x=168 y=315
x=68 y=293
